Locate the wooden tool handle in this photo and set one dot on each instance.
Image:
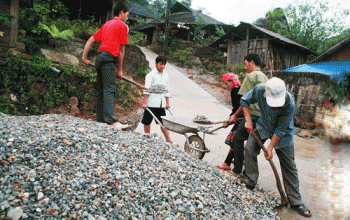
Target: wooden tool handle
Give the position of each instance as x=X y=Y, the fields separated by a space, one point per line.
x=133 y=82
x=278 y=181
x=125 y=79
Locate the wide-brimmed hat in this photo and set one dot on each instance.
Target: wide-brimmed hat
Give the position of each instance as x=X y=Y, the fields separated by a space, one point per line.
x=231 y=77
x=275 y=92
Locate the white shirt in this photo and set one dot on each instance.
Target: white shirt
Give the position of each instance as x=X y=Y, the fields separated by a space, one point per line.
x=156 y=78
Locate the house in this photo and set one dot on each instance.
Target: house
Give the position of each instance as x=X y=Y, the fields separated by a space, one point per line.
x=138 y=12
x=9 y=33
x=339 y=52
x=182 y=20
x=335 y=62
x=275 y=50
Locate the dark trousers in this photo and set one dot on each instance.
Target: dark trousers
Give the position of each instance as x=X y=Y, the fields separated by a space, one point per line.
x=230 y=154
x=106 y=66
x=287 y=163
x=238 y=144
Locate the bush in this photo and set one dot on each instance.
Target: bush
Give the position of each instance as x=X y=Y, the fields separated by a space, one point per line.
x=5 y=19
x=84 y=29
x=143 y=72
x=37 y=88
x=55 y=33
x=340 y=88
x=137 y=38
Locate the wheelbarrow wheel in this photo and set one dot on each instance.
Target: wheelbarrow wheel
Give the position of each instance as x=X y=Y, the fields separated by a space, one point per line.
x=195 y=142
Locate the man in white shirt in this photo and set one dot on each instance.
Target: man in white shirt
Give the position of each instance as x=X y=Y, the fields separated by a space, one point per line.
x=157 y=103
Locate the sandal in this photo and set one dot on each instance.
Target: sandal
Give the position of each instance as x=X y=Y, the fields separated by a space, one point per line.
x=221 y=166
x=302 y=210
x=237 y=175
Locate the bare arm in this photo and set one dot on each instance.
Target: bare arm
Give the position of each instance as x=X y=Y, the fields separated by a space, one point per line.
x=144 y=103
x=248 y=120
x=87 y=49
x=167 y=102
x=233 y=117
x=275 y=139
x=120 y=61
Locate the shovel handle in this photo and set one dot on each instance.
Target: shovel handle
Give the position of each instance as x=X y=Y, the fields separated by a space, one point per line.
x=216 y=129
x=125 y=79
x=219 y=122
x=278 y=181
x=133 y=82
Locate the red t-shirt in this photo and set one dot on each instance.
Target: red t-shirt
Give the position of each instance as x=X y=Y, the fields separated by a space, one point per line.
x=111 y=35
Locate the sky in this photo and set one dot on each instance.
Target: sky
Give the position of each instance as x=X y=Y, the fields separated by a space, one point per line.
x=235 y=11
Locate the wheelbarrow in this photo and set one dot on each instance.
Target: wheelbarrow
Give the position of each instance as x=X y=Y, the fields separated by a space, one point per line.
x=194 y=144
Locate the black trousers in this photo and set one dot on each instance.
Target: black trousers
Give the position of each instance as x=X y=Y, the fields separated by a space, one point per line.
x=106 y=66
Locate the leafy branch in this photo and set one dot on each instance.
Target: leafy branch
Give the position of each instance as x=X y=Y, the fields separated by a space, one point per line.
x=55 y=33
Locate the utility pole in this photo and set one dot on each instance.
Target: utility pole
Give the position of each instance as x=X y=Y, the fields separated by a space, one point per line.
x=167 y=15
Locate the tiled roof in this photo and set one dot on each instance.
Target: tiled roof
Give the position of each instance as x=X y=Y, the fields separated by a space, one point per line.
x=273 y=34
x=257 y=32
x=138 y=10
x=192 y=18
x=183 y=14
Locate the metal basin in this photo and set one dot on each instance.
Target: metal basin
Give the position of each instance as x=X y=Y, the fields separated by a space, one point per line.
x=179 y=124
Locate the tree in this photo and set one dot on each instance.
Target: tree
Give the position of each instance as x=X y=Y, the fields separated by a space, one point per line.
x=308 y=23
x=309 y=26
x=275 y=21
x=333 y=41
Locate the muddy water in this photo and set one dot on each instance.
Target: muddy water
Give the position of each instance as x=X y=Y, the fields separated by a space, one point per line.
x=324 y=173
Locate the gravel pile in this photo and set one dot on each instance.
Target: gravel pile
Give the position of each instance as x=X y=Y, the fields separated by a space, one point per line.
x=63 y=167
x=201 y=118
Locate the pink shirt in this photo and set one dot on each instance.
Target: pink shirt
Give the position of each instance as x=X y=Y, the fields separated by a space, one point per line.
x=111 y=35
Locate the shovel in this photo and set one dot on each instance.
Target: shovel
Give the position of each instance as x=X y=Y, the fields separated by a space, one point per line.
x=134 y=83
x=215 y=129
x=209 y=122
x=125 y=79
x=278 y=181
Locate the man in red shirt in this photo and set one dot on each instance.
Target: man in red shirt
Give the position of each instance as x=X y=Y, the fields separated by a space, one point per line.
x=112 y=37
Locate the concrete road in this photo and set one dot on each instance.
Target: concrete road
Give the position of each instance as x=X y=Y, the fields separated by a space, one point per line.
x=188 y=100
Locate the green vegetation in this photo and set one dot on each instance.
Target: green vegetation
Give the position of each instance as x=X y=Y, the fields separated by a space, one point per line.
x=55 y=33
x=5 y=19
x=136 y=38
x=340 y=88
x=37 y=88
x=308 y=23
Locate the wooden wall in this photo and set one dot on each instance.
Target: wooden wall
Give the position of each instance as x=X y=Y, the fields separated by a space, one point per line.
x=275 y=55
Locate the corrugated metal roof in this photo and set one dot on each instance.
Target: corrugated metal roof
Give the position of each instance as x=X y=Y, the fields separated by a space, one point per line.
x=332 y=49
x=335 y=69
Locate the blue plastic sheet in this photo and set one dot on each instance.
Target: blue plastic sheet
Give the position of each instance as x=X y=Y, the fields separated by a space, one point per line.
x=337 y=70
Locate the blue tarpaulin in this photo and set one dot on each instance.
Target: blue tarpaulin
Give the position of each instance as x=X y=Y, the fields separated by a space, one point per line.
x=335 y=69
